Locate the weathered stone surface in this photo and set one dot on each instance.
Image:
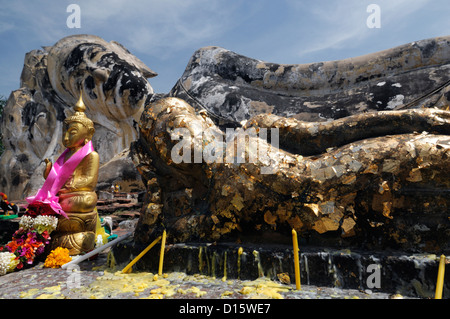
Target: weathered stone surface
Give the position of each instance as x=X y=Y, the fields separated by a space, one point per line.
x=115 y=90
x=233 y=88
x=120 y=171
x=374 y=175
x=409 y=275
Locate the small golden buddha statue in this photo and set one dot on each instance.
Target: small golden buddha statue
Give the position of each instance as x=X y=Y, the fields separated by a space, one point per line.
x=77 y=196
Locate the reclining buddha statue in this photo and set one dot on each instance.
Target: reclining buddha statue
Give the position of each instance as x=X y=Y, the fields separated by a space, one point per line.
x=361 y=158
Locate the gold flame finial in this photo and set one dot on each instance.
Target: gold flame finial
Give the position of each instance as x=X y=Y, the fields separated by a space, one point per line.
x=80 y=107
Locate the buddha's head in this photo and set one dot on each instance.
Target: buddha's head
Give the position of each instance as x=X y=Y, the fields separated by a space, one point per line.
x=78 y=128
x=114 y=80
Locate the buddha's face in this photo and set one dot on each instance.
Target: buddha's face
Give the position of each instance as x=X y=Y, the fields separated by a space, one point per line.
x=75 y=135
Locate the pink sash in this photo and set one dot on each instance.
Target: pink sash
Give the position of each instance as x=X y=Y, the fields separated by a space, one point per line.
x=58 y=176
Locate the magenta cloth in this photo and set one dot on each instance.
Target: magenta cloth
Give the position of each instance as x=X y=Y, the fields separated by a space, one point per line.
x=58 y=176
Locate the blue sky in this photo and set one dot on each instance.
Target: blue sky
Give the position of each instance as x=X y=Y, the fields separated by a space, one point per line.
x=165 y=33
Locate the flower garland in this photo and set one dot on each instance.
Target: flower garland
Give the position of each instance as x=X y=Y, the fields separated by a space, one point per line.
x=8 y=262
x=30 y=239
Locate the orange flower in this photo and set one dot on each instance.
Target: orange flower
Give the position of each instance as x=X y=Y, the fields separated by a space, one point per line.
x=29 y=254
x=12 y=246
x=57 y=257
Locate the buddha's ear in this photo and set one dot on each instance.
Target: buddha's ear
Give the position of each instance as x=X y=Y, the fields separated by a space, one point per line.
x=91 y=132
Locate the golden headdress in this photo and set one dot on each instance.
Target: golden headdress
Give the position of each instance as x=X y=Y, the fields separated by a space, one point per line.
x=79 y=115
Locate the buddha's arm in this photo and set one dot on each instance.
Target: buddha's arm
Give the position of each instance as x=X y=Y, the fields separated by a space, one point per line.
x=87 y=180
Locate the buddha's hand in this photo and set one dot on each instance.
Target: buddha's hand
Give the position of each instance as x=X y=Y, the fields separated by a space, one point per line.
x=48 y=167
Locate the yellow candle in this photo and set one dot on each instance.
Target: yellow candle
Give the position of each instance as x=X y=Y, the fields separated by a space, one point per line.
x=127 y=268
x=440 y=278
x=240 y=251
x=296 y=259
x=161 y=254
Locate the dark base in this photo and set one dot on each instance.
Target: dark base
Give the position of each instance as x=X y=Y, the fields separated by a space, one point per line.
x=407 y=274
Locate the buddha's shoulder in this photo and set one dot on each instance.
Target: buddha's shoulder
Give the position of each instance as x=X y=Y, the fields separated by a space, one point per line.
x=93 y=155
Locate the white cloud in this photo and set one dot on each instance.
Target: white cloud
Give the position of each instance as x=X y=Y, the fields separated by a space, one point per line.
x=150 y=26
x=340 y=24
x=163 y=27
x=157 y=27
x=164 y=33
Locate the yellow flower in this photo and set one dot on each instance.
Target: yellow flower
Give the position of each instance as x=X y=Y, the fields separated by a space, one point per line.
x=57 y=257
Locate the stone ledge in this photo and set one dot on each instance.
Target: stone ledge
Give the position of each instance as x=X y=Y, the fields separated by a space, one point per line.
x=408 y=274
